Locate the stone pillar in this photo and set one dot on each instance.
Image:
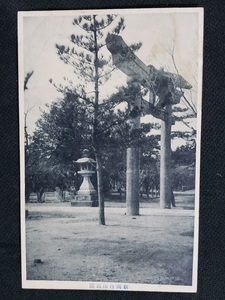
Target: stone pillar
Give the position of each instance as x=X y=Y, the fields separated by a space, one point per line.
x=165 y=160
x=133 y=155
x=132 y=181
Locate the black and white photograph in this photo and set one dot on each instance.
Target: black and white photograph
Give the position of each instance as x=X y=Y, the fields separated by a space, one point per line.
x=110 y=105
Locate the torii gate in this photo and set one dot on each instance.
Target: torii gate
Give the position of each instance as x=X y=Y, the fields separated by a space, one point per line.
x=163 y=85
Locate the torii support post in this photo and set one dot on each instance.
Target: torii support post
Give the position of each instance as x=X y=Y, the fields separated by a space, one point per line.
x=133 y=160
x=132 y=181
x=165 y=160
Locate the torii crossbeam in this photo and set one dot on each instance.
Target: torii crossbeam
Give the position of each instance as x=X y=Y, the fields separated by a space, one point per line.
x=163 y=88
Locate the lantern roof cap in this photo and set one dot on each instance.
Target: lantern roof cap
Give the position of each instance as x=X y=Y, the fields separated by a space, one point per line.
x=85 y=160
x=85 y=153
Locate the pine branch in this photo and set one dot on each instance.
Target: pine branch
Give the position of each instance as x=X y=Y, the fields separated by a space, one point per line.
x=80 y=60
x=114 y=123
x=119 y=27
x=181 y=120
x=75 y=66
x=78 y=41
x=108 y=73
x=85 y=29
x=109 y=107
x=107 y=24
x=179 y=109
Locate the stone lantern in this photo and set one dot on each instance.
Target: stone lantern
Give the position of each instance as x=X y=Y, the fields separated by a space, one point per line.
x=87 y=195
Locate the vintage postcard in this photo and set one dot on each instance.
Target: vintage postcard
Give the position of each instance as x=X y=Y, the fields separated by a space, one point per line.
x=110 y=128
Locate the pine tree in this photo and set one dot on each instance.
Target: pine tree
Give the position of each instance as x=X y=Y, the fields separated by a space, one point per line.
x=93 y=68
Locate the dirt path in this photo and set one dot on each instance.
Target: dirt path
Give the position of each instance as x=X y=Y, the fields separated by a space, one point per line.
x=155 y=247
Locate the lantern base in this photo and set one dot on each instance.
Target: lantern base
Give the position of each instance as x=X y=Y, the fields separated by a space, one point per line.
x=85 y=200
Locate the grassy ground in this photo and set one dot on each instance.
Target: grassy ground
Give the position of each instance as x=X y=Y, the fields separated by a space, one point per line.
x=155 y=247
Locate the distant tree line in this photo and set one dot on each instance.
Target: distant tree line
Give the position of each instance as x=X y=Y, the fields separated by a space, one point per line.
x=64 y=131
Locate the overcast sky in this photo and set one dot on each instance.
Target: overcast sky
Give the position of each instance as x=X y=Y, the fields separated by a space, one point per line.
x=156 y=31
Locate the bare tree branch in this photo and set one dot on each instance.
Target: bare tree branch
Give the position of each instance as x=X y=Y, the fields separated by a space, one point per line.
x=171 y=53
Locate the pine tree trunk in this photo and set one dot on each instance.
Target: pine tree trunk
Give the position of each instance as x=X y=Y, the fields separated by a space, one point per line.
x=100 y=189
x=95 y=130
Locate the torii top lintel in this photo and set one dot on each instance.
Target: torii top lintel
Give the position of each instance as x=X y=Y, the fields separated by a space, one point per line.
x=125 y=59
